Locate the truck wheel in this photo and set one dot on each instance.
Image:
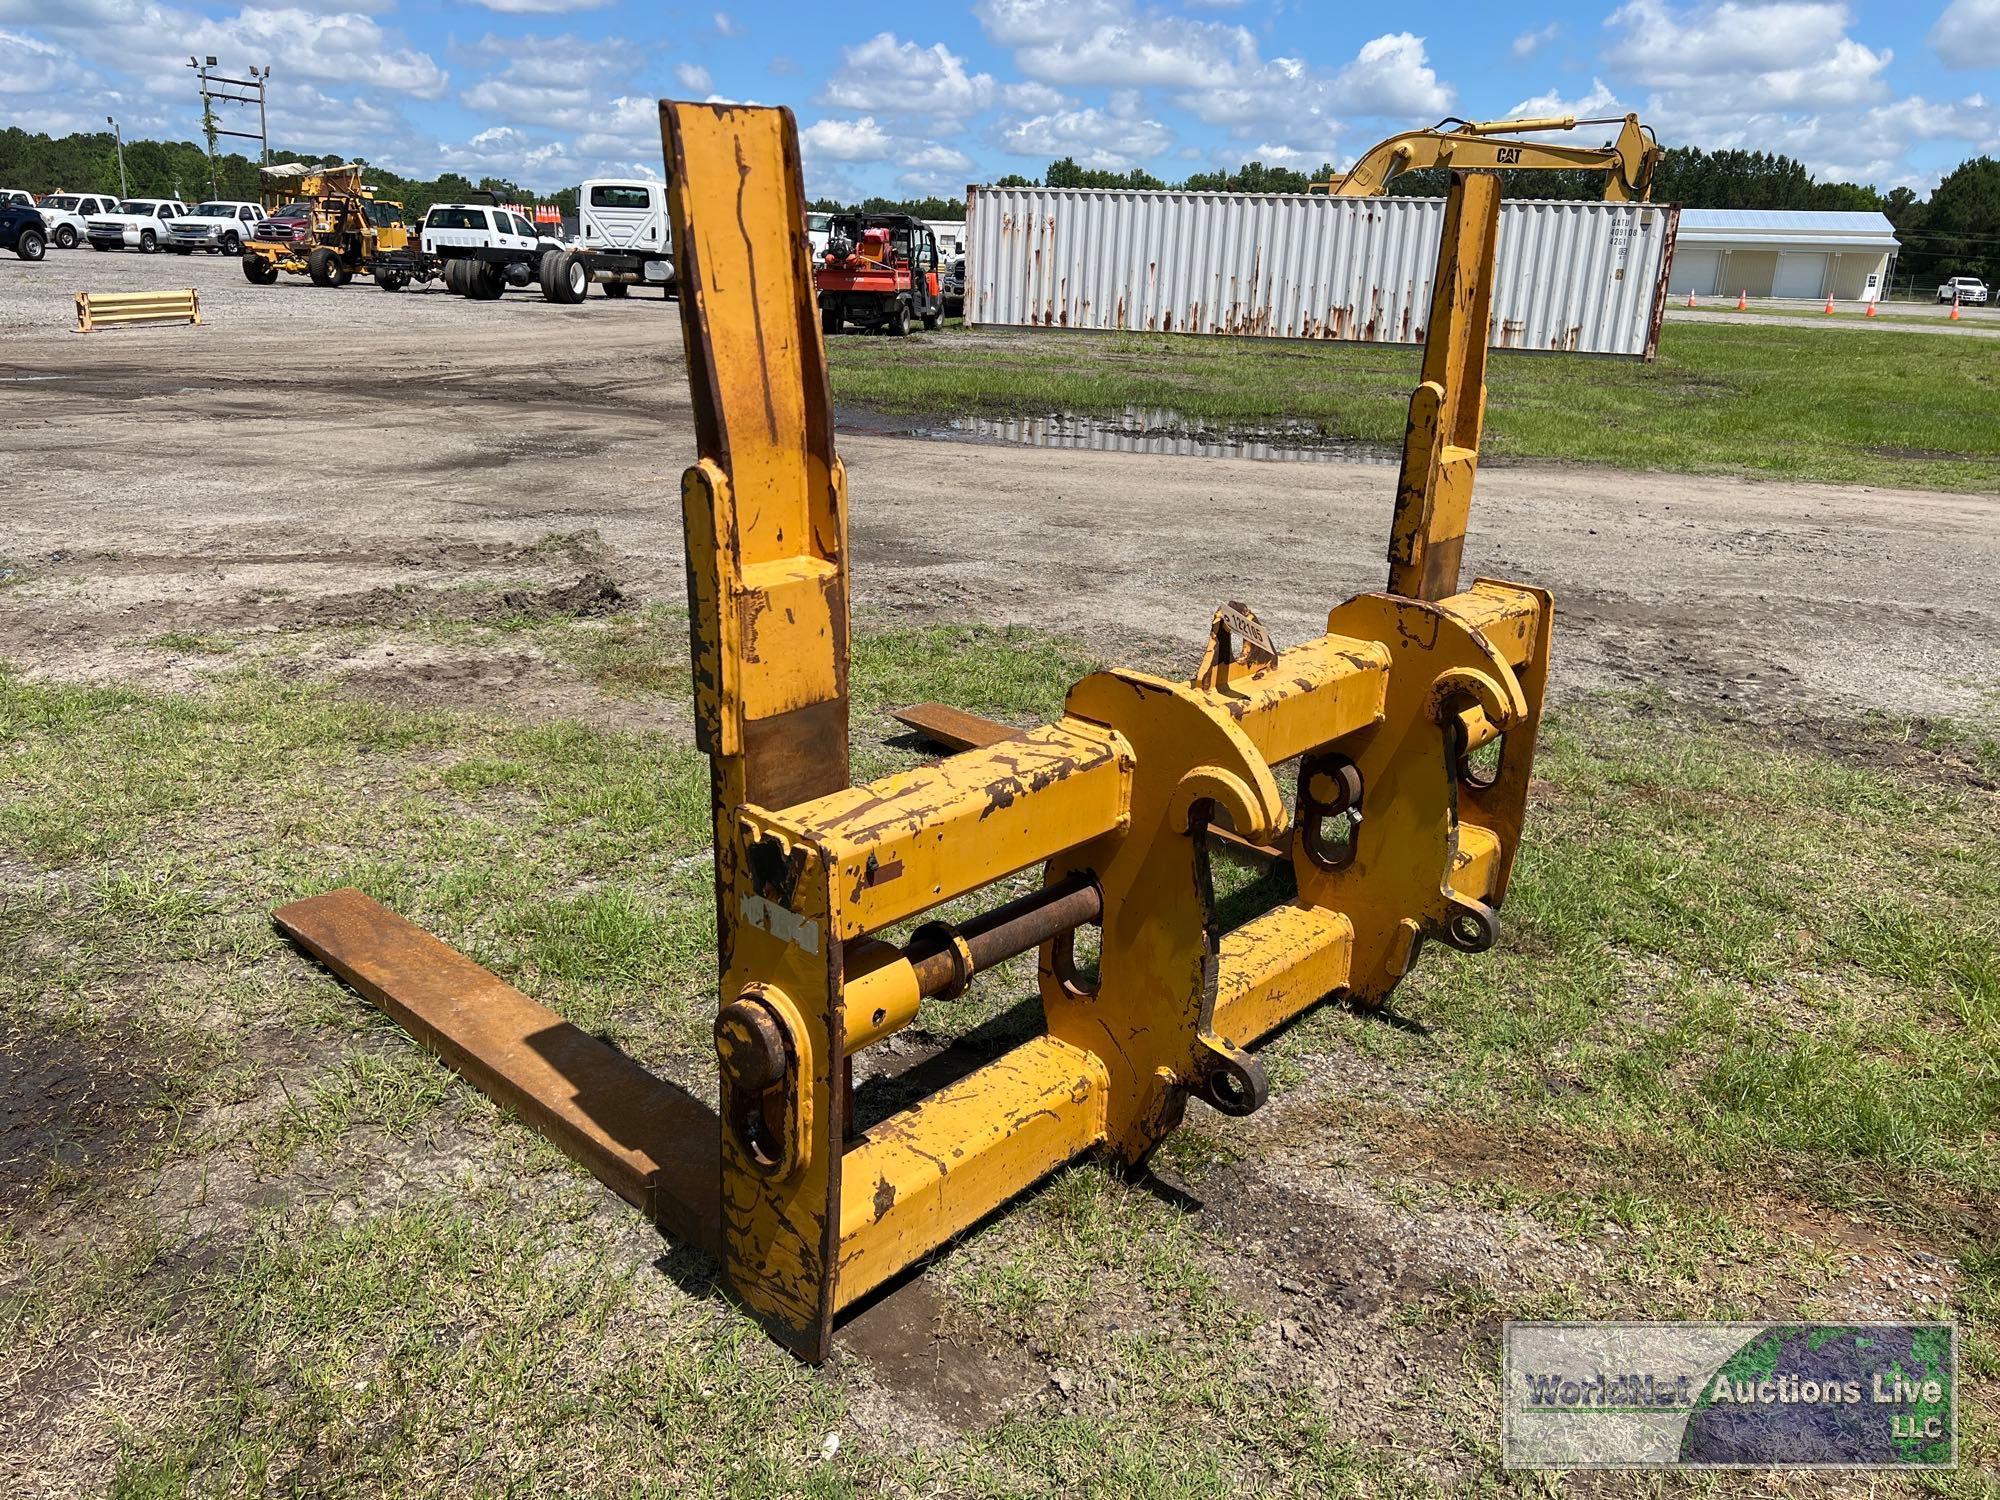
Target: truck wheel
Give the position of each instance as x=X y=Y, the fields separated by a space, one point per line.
x=148 y=242
x=31 y=245
x=934 y=319
x=483 y=282
x=342 y=274
x=617 y=289
x=565 y=279
x=259 y=272
x=65 y=237
x=830 y=320
x=391 y=281
x=320 y=267
x=232 y=244
x=898 y=325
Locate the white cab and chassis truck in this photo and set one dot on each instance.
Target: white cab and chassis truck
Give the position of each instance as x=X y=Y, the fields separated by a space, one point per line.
x=1968 y=290
x=480 y=250
x=622 y=228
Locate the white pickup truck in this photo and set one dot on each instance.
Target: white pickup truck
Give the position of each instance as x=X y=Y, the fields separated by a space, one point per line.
x=219 y=228
x=1967 y=290
x=139 y=224
x=68 y=215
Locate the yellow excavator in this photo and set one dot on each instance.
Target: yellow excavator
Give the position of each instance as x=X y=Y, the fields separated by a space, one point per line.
x=1628 y=163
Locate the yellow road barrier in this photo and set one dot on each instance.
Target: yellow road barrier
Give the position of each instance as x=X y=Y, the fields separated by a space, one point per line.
x=96 y=310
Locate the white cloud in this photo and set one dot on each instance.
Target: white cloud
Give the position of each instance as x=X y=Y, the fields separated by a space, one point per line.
x=555 y=84
x=1110 y=42
x=694 y=78
x=726 y=24
x=1528 y=43
x=935 y=156
x=1104 y=139
x=31 y=66
x=1967 y=35
x=1867 y=145
x=1391 y=76
x=935 y=168
x=1791 y=52
x=848 y=140
x=628 y=127
x=1274 y=155
x=1034 y=98
x=540 y=7
x=889 y=76
x=1599 y=102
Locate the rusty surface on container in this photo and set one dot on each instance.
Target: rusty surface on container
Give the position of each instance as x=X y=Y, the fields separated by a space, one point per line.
x=651 y=1143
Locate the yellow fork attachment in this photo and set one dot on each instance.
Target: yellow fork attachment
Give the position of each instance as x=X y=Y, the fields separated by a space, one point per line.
x=1392 y=834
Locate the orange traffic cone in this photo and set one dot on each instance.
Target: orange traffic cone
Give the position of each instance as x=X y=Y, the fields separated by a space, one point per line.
x=1690 y=296
x=1742 y=300
x=1829 y=306
x=1871 y=309
x=1954 y=308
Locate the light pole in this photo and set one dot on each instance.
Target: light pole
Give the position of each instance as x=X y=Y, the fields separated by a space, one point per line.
x=201 y=67
x=118 y=140
x=263 y=126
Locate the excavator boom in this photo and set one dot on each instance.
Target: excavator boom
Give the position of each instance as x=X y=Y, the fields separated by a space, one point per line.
x=1628 y=164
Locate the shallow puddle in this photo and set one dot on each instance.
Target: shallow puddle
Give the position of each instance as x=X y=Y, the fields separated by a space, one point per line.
x=1138 y=430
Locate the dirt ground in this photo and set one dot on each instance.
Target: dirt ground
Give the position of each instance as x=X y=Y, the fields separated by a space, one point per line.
x=302 y=450
x=324 y=459
x=1894 y=317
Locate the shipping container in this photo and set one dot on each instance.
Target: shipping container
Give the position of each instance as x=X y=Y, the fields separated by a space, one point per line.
x=1580 y=277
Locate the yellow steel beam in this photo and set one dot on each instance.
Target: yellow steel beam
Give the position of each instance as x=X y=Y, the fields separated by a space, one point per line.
x=918 y=838
x=765 y=509
x=1441 y=442
x=941 y=1166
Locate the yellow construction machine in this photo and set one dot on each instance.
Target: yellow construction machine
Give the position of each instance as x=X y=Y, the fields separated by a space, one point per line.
x=340 y=228
x=1628 y=163
x=1382 y=766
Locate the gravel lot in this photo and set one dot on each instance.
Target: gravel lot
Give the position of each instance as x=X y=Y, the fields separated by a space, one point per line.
x=38 y=295
x=336 y=1270
x=467 y=431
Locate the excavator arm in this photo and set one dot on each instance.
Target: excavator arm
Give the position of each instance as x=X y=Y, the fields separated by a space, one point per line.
x=1628 y=163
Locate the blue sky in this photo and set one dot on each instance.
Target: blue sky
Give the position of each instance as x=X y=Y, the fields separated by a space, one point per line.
x=928 y=97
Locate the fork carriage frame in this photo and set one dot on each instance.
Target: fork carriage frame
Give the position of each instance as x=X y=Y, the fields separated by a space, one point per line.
x=1393 y=835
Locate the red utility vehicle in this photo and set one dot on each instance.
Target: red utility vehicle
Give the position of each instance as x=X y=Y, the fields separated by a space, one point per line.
x=879 y=271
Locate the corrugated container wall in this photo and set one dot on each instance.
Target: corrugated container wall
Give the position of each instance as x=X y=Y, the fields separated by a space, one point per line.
x=1578 y=276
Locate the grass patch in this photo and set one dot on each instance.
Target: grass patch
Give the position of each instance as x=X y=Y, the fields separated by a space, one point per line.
x=1794 y=403
x=193 y=643
x=1731 y=975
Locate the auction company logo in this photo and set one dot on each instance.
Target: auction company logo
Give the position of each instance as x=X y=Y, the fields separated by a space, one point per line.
x=1729 y=1395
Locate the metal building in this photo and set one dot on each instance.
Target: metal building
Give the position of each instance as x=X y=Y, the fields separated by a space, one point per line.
x=1784 y=253
x=1580 y=276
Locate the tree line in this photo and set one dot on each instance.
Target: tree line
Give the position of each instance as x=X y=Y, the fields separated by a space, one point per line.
x=180 y=169
x=1954 y=231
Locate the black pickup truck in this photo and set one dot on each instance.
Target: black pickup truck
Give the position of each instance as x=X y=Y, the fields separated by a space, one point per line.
x=23 y=232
